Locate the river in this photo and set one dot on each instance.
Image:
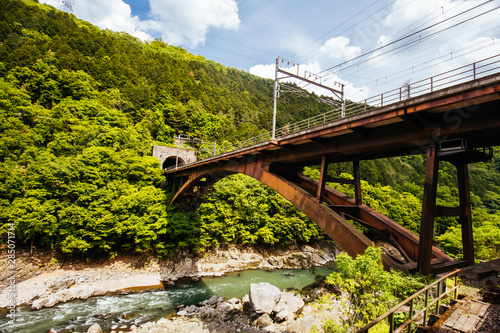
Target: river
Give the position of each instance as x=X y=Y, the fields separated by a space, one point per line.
x=150 y=305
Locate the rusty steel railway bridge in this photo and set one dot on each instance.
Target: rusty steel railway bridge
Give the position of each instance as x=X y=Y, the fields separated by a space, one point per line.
x=458 y=123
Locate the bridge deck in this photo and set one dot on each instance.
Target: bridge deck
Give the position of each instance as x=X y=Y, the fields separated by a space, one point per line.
x=416 y=112
x=466 y=113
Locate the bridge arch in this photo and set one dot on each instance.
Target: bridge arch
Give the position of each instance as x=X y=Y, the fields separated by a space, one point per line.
x=302 y=191
x=338 y=228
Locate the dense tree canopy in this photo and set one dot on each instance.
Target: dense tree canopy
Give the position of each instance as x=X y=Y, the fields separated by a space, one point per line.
x=81 y=107
x=79 y=111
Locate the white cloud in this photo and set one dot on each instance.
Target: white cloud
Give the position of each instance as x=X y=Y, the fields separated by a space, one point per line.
x=338 y=48
x=176 y=21
x=265 y=71
x=405 y=12
x=189 y=20
x=108 y=14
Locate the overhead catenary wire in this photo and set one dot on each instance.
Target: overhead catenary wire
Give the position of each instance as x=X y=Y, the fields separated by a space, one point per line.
x=407 y=45
x=368 y=64
x=480 y=45
x=411 y=35
x=413 y=66
x=406 y=37
x=329 y=32
x=365 y=26
x=438 y=62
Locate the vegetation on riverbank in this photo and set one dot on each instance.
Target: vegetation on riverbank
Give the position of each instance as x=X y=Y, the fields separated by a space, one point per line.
x=358 y=282
x=81 y=107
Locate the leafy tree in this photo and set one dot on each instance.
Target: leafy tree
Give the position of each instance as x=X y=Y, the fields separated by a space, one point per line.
x=239 y=209
x=363 y=280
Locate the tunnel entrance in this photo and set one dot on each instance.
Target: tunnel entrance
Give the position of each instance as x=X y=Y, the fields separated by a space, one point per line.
x=170 y=162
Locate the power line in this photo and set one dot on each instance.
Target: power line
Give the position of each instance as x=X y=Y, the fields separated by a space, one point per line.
x=367 y=25
x=437 y=62
x=326 y=34
x=414 y=34
x=480 y=45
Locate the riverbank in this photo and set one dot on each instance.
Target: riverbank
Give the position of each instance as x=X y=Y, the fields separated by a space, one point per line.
x=44 y=281
x=264 y=309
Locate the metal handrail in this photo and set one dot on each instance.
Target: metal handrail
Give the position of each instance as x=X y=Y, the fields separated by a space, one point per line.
x=412 y=317
x=472 y=71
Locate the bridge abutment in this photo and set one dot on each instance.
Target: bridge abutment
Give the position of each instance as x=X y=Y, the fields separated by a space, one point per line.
x=174 y=156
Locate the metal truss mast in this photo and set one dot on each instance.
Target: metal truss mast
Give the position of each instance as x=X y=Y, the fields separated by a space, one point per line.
x=309 y=78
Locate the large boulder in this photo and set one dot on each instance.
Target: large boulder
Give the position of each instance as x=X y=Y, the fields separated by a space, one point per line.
x=263 y=297
x=211 y=301
x=263 y=321
x=95 y=329
x=289 y=302
x=282 y=316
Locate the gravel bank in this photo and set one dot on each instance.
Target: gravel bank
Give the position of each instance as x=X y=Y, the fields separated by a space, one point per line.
x=43 y=281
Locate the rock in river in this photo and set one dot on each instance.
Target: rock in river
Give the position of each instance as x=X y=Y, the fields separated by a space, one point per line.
x=95 y=329
x=264 y=297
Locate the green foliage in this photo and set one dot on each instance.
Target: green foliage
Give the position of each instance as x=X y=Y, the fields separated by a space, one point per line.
x=486 y=240
x=239 y=209
x=370 y=290
x=79 y=110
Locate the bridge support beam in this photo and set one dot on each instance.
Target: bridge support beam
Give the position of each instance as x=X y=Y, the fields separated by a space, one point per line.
x=428 y=211
x=465 y=212
x=357 y=182
x=322 y=177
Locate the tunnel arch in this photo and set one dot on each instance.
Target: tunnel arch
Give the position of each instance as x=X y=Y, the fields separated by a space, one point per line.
x=172 y=161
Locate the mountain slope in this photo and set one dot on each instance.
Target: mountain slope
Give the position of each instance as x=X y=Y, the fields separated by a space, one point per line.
x=80 y=108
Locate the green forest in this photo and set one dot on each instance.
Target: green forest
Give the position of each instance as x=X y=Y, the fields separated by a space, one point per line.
x=81 y=107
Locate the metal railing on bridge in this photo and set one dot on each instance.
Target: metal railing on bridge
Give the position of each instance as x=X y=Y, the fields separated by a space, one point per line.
x=455 y=76
x=440 y=291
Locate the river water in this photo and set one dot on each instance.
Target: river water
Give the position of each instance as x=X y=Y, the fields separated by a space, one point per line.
x=138 y=308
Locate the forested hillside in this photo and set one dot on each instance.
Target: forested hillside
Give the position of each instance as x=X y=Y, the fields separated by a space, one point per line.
x=81 y=107
x=79 y=111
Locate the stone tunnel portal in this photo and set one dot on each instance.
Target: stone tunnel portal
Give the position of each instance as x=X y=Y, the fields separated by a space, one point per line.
x=170 y=156
x=172 y=161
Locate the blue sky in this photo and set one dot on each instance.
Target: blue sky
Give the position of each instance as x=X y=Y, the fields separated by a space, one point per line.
x=319 y=34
